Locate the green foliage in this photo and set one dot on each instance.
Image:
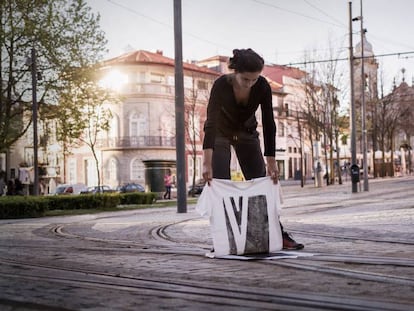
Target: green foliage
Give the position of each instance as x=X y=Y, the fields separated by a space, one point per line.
x=71 y=202
x=83 y=110
x=65 y=35
x=22 y=207
x=31 y=206
x=138 y=198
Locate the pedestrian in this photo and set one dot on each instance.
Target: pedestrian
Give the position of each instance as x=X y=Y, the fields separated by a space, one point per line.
x=167 y=184
x=10 y=187
x=2 y=186
x=231 y=121
x=18 y=187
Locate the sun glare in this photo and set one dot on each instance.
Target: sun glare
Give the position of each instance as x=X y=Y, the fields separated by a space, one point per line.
x=114 y=80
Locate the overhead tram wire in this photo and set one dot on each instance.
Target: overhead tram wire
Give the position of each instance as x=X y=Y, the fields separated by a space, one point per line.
x=324 y=13
x=343 y=59
x=270 y=5
x=296 y=13
x=133 y=11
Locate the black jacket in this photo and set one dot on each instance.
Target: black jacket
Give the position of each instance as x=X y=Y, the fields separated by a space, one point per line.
x=226 y=117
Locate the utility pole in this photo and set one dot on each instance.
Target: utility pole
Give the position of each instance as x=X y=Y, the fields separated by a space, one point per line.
x=179 y=110
x=353 y=128
x=302 y=166
x=363 y=114
x=34 y=120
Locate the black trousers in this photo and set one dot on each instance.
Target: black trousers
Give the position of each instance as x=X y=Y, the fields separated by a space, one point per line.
x=248 y=152
x=167 y=193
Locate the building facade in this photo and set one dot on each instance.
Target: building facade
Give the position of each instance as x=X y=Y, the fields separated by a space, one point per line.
x=142 y=132
x=142 y=128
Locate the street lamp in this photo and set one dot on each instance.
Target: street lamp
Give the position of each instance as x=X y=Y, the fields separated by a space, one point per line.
x=363 y=114
x=351 y=70
x=363 y=111
x=363 y=108
x=32 y=62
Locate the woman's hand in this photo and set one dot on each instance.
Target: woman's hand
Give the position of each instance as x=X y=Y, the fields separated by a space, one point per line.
x=207 y=167
x=272 y=169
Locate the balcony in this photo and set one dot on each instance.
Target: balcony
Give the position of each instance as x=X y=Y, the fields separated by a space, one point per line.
x=126 y=142
x=46 y=171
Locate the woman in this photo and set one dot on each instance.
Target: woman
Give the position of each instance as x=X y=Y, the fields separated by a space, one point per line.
x=231 y=121
x=167 y=184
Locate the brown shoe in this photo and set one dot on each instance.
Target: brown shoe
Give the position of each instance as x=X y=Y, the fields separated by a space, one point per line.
x=289 y=243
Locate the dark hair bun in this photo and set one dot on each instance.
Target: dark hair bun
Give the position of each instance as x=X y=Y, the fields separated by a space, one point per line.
x=246 y=60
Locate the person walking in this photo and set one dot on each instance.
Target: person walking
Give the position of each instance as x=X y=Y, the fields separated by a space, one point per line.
x=167 y=184
x=10 y=187
x=2 y=184
x=18 y=187
x=231 y=121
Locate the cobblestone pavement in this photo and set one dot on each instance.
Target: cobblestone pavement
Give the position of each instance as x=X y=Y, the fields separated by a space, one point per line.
x=153 y=259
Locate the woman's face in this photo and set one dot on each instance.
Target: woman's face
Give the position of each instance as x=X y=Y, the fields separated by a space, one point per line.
x=246 y=80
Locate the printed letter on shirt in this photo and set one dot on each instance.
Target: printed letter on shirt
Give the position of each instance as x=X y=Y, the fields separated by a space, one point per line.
x=247 y=224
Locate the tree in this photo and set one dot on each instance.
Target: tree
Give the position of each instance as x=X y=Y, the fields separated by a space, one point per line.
x=388 y=116
x=323 y=112
x=193 y=127
x=64 y=34
x=84 y=113
x=404 y=97
x=312 y=112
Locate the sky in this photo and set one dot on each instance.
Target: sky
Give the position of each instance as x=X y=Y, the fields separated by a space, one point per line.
x=282 y=31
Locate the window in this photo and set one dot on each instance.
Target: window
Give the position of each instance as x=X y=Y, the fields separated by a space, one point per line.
x=167 y=127
x=286 y=110
x=202 y=85
x=170 y=80
x=193 y=127
x=191 y=167
x=137 y=125
x=111 y=172
x=141 y=77
x=188 y=82
x=281 y=129
x=2 y=162
x=90 y=172
x=157 y=78
x=113 y=126
x=72 y=171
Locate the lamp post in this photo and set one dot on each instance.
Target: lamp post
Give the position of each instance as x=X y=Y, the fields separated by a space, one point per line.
x=179 y=110
x=363 y=114
x=351 y=70
x=34 y=120
x=363 y=108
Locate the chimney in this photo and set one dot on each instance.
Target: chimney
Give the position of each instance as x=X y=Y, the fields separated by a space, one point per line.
x=159 y=52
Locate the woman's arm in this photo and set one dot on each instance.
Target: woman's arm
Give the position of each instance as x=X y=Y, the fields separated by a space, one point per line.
x=207 y=167
x=268 y=121
x=272 y=169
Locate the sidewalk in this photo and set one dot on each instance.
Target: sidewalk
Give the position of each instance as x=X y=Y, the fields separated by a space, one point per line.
x=153 y=259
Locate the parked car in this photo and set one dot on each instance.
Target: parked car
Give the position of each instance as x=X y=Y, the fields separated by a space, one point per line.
x=197 y=188
x=98 y=189
x=131 y=187
x=70 y=189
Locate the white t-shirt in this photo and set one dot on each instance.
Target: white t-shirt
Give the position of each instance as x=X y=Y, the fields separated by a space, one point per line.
x=243 y=215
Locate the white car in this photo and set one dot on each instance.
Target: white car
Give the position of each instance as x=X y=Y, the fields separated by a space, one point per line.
x=70 y=189
x=96 y=189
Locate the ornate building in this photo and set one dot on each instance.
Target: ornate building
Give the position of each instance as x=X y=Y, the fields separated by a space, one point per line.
x=142 y=131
